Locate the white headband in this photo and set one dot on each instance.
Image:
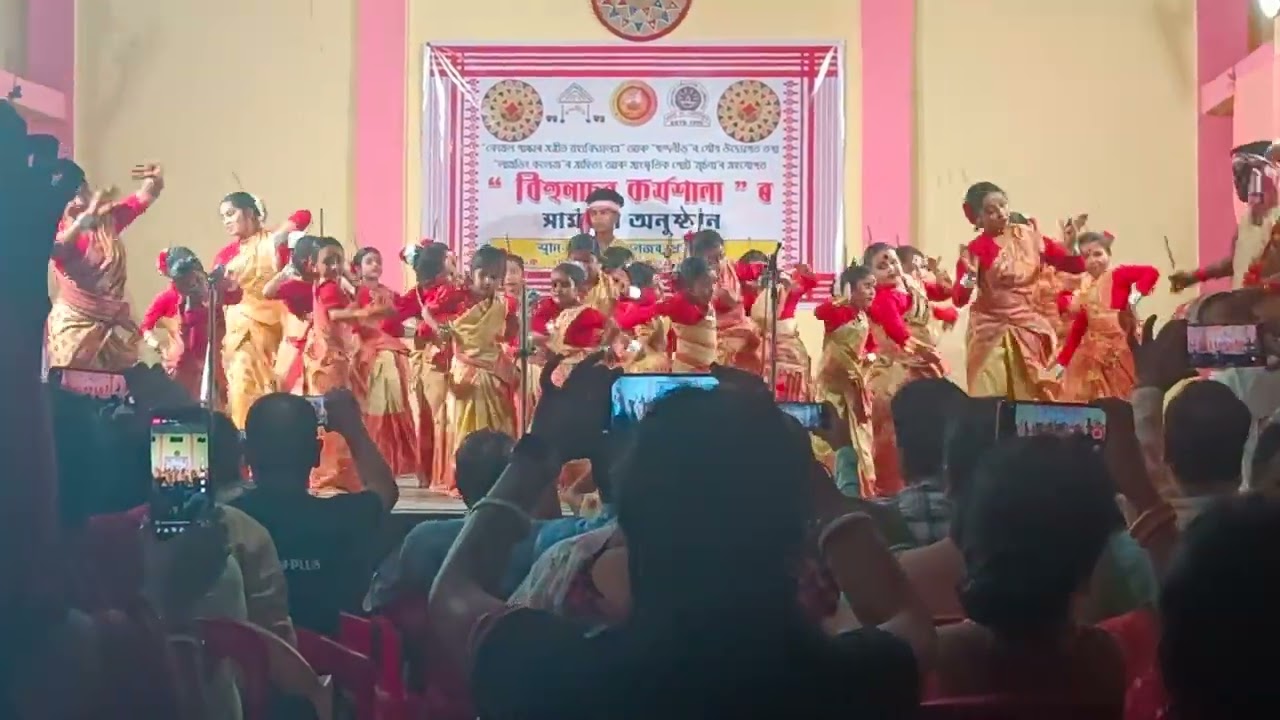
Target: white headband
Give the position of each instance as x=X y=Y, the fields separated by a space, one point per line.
x=605 y=205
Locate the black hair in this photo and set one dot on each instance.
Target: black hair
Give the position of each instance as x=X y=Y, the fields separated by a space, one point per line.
x=325 y=241
x=280 y=438
x=754 y=256
x=692 y=269
x=514 y=258
x=1033 y=528
x=853 y=275
x=429 y=262
x=305 y=250
x=101 y=448
x=605 y=194
x=574 y=272
x=242 y=200
x=1221 y=591
x=358 y=259
x=907 y=254
x=921 y=410
x=1205 y=430
x=975 y=196
x=179 y=261
x=616 y=257
x=641 y=274
x=705 y=240
x=487 y=256
x=480 y=459
x=581 y=242
x=1093 y=237
x=873 y=250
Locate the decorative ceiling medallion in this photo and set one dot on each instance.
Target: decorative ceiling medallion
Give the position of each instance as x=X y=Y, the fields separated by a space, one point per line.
x=640 y=20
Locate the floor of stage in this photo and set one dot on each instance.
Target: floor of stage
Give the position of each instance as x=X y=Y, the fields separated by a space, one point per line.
x=420 y=501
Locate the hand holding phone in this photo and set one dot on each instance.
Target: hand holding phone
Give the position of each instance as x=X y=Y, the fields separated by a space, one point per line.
x=632 y=395
x=180 y=492
x=810 y=415
x=1028 y=419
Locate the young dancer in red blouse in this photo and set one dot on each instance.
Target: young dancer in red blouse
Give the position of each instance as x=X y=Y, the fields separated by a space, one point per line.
x=565 y=325
x=183 y=310
x=794 y=366
x=1095 y=359
x=693 y=323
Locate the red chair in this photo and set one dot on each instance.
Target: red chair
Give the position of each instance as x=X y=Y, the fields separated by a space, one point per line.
x=1008 y=708
x=353 y=673
x=244 y=648
x=378 y=639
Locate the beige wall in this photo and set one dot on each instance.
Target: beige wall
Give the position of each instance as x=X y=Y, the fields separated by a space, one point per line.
x=258 y=88
x=1083 y=106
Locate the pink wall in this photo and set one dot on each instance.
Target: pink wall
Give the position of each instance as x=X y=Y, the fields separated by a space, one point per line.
x=380 y=130
x=51 y=57
x=888 y=118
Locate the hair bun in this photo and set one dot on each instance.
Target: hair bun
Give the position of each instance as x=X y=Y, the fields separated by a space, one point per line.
x=162 y=262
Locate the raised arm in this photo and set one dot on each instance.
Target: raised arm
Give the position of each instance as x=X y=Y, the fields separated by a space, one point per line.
x=884 y=312
x=299 y=221
x=1056 y=255
x=1079 y=324
x=286 y=275
x=1126 y=279
x=164 y=305
x=1223 y=268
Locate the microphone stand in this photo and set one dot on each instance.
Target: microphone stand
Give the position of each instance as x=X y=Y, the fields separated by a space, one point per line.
x=772 y=275
x=208 y=379
x=524 y=361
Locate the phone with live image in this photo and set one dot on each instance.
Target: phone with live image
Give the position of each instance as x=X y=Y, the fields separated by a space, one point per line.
x=633 y=395
x=1027 y=419
x=322 y=411
x=1225 y=346
x=810 y=415
x=180 y=493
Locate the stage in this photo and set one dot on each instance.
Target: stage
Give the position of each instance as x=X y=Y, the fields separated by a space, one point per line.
x=420 y=501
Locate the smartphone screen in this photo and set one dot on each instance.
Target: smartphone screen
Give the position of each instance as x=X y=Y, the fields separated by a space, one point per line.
x=93 y=383
x=1026 y=419
x=322 y=412
x=1224 y=346
x=179 y=473
x=632 y=395
x=809 y=415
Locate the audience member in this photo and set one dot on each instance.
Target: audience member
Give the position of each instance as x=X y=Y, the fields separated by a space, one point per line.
x=921 y=410
x=554 y=531
x=326 y=545
x=1265 y=461
x=1205 y=430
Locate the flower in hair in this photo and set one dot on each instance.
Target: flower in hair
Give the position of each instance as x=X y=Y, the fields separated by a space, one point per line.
x=259 y=206
x=688 y=236
x=409 y=254
x=162 y=262
x=1107 y=234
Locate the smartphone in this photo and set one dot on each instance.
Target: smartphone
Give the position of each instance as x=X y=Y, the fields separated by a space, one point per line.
x=632 y=395
x=808 y=414
x=1225 y=346
x=1026 y=419
x=322 y=413
x=179 y=472
x=93 y=383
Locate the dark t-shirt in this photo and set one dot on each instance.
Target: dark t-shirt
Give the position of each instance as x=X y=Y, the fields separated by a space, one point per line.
x=326 y=548
x=532 y=665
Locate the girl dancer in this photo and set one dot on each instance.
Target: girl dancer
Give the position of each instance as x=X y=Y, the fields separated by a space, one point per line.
x=843 y=368
x=565 y=325
x=1010 y=344
x=599 y=291
x=1096 y=356
x=252 y=325
x=693 y=322
x=90 y=324
x=793 y=359
x=900 y=316
x=432 y=304
x=380 y=376
x=183 y=308
x=482 y=377
x=515 y=288
x=645 y=346
x=737 y=342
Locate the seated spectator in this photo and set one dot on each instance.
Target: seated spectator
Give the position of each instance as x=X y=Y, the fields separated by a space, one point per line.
x=716 y=629
x=1222 y=590
x=326 y=545
x=1205 y=430
x=1032 y=528
x=921 y=410
x=411 y=568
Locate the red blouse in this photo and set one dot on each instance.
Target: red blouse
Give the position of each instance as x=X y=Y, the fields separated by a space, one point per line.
x=543 y=313
x=748 y=276
x=193 y=322
x=1124 y=278
x=889 y=309
x=834 y=314
x=985 y=250
x=298 y=296
x=586 y=330
x=392 y=325
x=801 y=285
x=122 y=214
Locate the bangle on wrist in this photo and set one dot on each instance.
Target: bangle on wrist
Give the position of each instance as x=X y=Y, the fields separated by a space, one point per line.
x=1201 y=275
x=507 y=506
x=1152 y=521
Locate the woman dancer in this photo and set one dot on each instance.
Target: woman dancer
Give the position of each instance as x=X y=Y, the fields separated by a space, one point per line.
x=1010 y=345
x=252 y=325
x=737 y=341
x=432 y=304
x=90 y=324
x=482 y=377
x=311 y=287
x=380 y=376
x=793 y=359
x=843 y=368
x=1096 y=356
x=692 y=319
x=645 y=345
x=183 y=309
x=900 y=316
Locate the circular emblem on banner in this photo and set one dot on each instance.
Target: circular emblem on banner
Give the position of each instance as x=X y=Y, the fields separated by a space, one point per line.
x=634 y=103
x=749 y=111
x=640 y=20
x=511 y=110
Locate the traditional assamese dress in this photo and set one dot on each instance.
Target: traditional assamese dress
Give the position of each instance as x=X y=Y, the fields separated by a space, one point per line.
x=1096 y=354
x=90 y=324
x=737 y=341
x=793 y=360
x=482 y=376
x=317 y=361
x=380 y=380
x=693 y=331
x=252 y=325
x=186 y=326
x=602 y=296
x=1049 y=289
x=645 y=341
x=429 y=381
x=841 y=380
x=899 y=313
x=1010 y=344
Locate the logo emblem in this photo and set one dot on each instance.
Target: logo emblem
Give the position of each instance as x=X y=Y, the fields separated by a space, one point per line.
x=688 y=101
x=634 y=103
